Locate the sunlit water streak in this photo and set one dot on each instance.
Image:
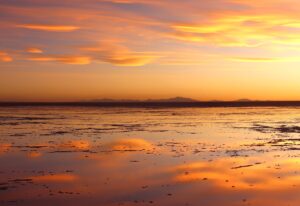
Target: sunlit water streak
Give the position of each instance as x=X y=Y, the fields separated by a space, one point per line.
x=139 y=156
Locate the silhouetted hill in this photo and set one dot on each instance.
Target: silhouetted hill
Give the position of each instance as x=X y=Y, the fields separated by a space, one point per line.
x=174 y=99
x=112 y=100
x=243 y=100
x=161 y=103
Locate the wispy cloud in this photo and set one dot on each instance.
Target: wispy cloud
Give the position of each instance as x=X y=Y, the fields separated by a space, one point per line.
x=213 y=26
x=34 y=50
x=129 y=60
x=51 y=28
x=240 y=29
x=119 y=55
x=4 y=57
x=265 y=59
x=81 y=60
x=254 y=59
x=185 y=46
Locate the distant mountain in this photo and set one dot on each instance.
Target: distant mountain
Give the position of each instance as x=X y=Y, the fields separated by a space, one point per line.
x=243 y=100
x=112 y=100
x=174 y=99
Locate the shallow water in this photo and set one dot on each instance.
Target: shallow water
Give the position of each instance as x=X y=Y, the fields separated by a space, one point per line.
x=142 y=156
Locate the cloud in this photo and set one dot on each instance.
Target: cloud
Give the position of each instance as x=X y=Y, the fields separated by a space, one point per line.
x=4 y=57
x=129 y=60
x=147 y=2
x=34 y=50
x=149 y=29
x=111 y=53
x=200 y=29
x=51 y=28
x=265 y=59
x=240 y=29
x=119 y=55
x=254 y=59
x=81 y=60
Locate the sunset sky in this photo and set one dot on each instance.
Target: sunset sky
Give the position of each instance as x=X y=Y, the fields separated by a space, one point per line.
x=71 y=50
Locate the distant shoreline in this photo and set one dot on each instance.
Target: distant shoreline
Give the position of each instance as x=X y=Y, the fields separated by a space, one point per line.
x=157 y=104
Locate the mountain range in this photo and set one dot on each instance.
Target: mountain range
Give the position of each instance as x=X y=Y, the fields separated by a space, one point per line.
x=173 y=99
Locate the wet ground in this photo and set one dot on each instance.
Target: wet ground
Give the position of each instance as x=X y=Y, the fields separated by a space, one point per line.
x=134 y=156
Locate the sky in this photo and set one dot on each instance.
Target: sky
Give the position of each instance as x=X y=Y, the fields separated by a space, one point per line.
x=73 y=50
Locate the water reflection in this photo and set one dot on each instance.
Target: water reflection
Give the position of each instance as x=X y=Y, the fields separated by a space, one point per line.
x=54 y=178
x=242 y=174
x=34 y=154
x=90 y=156
x=4 y=148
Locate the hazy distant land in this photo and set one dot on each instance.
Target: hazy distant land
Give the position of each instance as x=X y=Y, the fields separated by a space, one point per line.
x=169 y=102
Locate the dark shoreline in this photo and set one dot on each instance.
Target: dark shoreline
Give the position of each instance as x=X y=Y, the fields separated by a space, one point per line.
x=156 y=104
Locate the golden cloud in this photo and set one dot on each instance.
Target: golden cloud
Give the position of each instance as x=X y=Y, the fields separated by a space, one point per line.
x=254 y=59
x=109 y=53
x=240 y=29
x=129 y=60
x=265 y=59
x=119 y=55
x=152 y=2
x=80 y=60
x=34 y=50
x=118 y=60
x=253 y=24
x=4 y=57
x=52 y=28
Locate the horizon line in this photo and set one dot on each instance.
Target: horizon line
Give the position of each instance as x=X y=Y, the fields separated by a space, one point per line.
x=200 y=104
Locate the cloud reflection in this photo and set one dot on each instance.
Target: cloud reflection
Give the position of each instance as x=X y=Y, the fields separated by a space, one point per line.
x=55 y=178
x=240 y=173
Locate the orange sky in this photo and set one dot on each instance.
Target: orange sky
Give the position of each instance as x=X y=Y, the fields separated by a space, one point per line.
x=136 y=49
